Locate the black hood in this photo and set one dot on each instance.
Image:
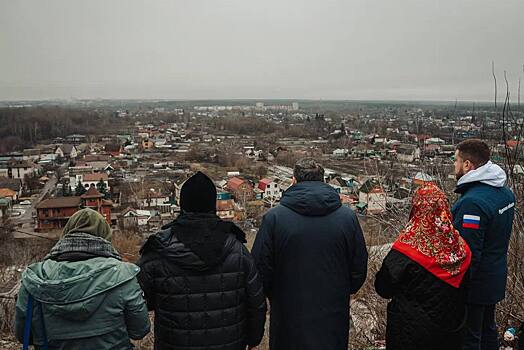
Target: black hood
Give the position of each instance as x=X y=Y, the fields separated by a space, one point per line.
x=311 y=198
x=195 y=241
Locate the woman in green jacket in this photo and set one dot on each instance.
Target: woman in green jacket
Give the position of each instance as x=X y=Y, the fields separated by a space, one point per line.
x=82 y=296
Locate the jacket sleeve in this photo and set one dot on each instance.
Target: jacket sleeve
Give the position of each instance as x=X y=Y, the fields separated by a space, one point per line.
x=263 y=253
x=390 y=276
x=256 y=301
x=474 y=237
x=145 y=279
x=359 y=257
x=135 y=310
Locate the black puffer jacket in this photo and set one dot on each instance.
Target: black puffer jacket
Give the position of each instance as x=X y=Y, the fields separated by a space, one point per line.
x=425 y=312
x=198 y=306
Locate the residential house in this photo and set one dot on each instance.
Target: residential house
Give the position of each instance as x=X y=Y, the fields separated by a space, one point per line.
x=271 y=189
x=12 y=184
x=241 y=189
x=76 y=138
x=408 y=153
x=53 y=213
x=95 y=200
x=8 y=193
x=31 y=154
x=341 y=153
x=373 y=197
x=4 y=170
x=88 y=180
x=18 y=169
x=93 y=179
x=66 y=151
x=226 y=209
x=346 y=185
x=114 y=149
x=136 y=218
x=156 y=200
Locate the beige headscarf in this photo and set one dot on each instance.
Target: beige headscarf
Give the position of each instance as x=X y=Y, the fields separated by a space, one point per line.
x=88 y=221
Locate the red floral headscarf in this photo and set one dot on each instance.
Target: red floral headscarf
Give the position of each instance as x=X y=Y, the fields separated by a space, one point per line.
x=430 y=238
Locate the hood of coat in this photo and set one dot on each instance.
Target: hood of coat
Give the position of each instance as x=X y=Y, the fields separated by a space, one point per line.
x=75 y=290
x=311 y=198
x=168 y=246
x=490 y=174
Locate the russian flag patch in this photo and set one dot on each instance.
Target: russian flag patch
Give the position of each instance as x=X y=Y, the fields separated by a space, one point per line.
x=471 y=221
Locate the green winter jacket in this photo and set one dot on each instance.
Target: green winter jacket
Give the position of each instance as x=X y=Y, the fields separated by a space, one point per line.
x=93 y=304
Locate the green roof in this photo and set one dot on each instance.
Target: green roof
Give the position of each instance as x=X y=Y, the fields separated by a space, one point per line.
x=361 y=206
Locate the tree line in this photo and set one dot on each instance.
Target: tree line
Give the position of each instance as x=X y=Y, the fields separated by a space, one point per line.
x=23 y=127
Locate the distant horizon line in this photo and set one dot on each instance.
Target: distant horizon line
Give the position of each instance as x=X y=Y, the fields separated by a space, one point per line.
x=245 y=100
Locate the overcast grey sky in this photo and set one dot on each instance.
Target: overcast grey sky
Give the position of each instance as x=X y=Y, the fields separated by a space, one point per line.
x=199 y=49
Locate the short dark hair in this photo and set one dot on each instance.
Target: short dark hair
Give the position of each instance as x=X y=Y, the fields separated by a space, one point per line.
x=474 y=150
x=307 y=169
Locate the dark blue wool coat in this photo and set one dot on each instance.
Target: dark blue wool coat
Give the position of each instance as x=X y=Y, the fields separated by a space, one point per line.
x=311 y=255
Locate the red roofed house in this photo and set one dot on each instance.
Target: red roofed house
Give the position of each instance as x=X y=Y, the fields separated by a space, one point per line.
x=241 y=189
x=53 y=213
x=8 y=193
x=113 y=149
x=95 y=200
x=270 y=188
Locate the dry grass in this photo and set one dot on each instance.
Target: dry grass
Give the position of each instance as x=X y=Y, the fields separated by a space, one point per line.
x=128 y=244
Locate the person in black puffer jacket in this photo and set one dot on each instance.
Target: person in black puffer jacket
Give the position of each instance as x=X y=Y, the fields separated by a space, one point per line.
x=200 y=279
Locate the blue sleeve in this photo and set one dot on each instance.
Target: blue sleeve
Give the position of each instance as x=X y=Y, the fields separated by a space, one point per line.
x=474 y=237
x=263 y=252
x=358 y=263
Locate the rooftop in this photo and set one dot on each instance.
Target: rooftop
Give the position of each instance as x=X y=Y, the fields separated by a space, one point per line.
x=92 y=192
x=234 y=183
x=60 y=202
x=95 y=177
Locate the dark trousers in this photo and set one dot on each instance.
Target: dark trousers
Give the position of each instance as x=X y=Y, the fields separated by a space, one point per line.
x=480 y=332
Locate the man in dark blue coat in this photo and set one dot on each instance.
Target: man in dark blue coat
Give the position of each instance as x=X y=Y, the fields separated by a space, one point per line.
x=311 y=254
x=484 y=217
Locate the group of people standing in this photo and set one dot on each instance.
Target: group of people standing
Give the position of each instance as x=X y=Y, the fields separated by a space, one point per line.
x=445 y=272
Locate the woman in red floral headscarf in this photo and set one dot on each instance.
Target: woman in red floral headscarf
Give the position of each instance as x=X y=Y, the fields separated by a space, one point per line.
x=424 y=276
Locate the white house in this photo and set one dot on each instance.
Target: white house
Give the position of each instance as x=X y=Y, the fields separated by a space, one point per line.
x=88 y=180
x=156 y=200
x=18 y=169
x=408 y=153
x=373 y=196
x=271 y=189
x=67 y=151
x=340 y=152
x=136 y=217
